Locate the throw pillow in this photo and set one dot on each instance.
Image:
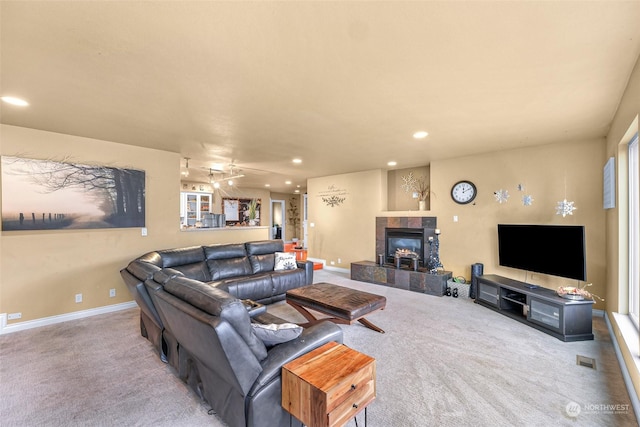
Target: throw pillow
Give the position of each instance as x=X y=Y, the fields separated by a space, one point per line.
x=272 y=334
x=285 y=261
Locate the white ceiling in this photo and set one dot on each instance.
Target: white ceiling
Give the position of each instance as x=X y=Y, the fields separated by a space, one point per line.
x=341 y=85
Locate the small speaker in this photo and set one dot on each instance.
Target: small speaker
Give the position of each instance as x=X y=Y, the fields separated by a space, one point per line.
x=476 y=270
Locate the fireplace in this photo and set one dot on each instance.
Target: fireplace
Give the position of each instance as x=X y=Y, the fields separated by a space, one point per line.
x=411 y=239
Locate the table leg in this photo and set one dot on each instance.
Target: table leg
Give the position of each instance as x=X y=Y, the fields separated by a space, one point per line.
x=370 y=325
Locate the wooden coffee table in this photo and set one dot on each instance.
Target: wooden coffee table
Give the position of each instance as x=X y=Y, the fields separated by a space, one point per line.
x=343 y=305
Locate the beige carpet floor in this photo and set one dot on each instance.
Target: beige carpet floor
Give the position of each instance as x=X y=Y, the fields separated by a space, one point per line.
x=442 y=362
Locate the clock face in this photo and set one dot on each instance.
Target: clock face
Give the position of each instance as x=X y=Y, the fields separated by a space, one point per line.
x=463 y=192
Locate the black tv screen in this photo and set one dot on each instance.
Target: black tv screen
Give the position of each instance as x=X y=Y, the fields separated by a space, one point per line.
x=558 y=250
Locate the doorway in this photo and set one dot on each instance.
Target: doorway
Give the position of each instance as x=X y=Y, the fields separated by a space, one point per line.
x=278 y=219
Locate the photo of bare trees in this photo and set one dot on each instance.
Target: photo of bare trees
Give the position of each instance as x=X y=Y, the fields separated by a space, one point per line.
x=54 y=195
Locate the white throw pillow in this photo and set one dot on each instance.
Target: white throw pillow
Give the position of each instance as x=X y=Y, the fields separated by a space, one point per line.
x=285 y=261
x=272 y=334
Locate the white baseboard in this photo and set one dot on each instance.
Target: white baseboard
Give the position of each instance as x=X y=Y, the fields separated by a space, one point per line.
x=29 y=324
x=337 y=269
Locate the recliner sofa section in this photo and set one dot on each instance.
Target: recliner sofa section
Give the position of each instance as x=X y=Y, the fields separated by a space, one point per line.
x=220 y=356
x=244 y=270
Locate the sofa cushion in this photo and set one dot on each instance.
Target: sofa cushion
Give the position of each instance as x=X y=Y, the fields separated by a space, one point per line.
x=262 y=254
x=181 y=256
x=225 y=268
x=255 y=286
x=227 y=260
x=263 y=247
x=285 y=261
x=224 y=251
x=273 y=334
x=216 y=302
x=287 y=279
x=189 y=261
x=263 y=263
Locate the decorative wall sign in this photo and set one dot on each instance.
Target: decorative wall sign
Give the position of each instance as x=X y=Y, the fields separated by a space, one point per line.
x=56 y=195
x=333 y=196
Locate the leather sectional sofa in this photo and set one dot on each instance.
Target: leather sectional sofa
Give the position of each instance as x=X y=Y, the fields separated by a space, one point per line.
x=193 y=304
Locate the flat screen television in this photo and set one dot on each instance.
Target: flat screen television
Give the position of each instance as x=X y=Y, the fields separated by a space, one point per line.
x=558 y=250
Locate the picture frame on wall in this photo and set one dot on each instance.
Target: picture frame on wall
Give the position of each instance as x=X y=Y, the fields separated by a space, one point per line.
x=236 y=211
x=56 y=195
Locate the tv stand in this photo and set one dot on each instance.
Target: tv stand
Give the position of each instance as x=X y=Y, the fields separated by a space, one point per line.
x=540 y=308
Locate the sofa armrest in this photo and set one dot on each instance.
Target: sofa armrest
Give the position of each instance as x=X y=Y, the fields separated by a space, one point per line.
x=307 y=266
x=311 y=338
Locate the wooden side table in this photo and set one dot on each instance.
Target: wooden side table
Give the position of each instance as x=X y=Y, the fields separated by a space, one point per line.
x=329 y=385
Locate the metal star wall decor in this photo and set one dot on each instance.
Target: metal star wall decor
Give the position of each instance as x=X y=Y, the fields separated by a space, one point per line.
x=565 y=208
x=501 y=196
x=409 y=182
x=527 y=200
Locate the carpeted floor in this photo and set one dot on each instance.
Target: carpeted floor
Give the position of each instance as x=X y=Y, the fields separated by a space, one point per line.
x=442 y=361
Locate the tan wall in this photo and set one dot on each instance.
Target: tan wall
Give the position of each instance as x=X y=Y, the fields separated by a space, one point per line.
x=542 y=170
x=345 y=232
x=399 y=199
x=41 y=271
x=549 y=174
x=624 y=125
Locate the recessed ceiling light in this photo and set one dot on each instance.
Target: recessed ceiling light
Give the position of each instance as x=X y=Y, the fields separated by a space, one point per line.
x=392 y=163
x=297 y=191
x=288 y=182
x=297 y=161
x=267 y=185
x=15 y=101
x=421 y=134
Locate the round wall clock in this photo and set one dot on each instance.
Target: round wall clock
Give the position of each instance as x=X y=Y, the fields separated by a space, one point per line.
x=463 y=192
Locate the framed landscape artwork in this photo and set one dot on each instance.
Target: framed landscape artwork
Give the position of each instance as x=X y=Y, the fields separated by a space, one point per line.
x=58 y=195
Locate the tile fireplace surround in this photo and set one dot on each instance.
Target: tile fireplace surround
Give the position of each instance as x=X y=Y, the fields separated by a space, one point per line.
x=404 y=278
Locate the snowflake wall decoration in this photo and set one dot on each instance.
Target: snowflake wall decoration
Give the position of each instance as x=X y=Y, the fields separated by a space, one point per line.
x=527 y=200
x=501 y=196
x=409 y=182
x=565 y=208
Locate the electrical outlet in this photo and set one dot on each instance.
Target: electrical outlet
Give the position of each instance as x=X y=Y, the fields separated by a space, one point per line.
x=333 y=263
x=78 y=297
x=455 y=218
x=112 y=293
x=339 y=261
x=14 y=316
x=144 y=231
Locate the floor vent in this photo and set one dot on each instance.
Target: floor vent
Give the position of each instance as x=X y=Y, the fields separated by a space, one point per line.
x=588 y=362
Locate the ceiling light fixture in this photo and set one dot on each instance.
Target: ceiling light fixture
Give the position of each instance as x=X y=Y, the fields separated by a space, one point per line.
x=15 y=101
x=288 y=182
x=297 y=161
x=420 y=134
x=186 y=173
x=392 y=163
x=215 y=177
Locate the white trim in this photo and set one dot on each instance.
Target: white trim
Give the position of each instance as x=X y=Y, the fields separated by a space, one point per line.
x=29 y=324
x=337 y=269
x=630 y=340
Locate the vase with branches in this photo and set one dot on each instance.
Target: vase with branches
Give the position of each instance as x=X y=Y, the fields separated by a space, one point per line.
x=294 y=217
x=252 y=211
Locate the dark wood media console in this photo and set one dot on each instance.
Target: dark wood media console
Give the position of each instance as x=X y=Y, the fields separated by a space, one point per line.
x=540 y=308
